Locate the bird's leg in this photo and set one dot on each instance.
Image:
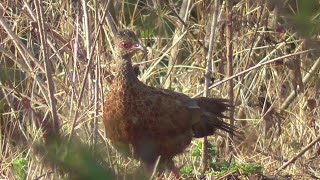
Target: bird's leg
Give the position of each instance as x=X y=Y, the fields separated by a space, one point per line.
x=158 y=169
x=153 y=169
x=175 y=171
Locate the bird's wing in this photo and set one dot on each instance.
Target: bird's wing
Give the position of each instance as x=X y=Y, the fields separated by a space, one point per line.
x=170 y=113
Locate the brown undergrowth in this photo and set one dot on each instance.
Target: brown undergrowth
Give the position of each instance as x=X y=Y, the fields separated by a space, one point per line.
x=56 y=68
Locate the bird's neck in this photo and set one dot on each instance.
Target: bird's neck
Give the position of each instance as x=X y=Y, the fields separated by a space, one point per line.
x=125 y=73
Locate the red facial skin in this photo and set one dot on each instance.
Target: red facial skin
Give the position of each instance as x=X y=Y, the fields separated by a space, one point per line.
x=126 y=45
x=130 y=48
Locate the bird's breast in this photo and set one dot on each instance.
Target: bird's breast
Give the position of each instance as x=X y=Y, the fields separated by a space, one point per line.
x=122 y=118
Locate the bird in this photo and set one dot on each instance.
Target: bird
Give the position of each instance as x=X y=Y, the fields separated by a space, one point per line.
x=151 y=124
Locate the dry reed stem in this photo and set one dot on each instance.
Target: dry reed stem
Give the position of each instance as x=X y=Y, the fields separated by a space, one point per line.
x=53 y=129
x=258 y=46
x=255 y=67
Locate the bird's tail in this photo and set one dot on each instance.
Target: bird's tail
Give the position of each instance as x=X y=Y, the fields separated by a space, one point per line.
x=211 y=117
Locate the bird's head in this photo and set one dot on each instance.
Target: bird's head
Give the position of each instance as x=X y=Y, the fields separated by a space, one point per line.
x=127 y=44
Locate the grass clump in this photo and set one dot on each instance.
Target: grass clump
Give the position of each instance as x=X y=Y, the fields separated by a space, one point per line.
x=20 y=166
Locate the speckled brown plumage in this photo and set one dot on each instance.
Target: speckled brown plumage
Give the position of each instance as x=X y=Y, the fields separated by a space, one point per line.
x=145 y=122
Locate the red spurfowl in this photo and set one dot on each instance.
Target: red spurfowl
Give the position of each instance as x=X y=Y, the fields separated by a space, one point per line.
x=145 y=122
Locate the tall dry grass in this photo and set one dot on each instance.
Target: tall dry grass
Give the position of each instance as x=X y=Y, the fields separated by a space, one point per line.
x=56 y=67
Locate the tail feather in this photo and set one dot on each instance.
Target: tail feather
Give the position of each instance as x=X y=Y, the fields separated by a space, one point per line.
x=215 y=106
x=209 y=124
x=212 y=117
x=221 y=125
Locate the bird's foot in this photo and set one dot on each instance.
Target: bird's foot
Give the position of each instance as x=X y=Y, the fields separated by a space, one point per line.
x=175 y=171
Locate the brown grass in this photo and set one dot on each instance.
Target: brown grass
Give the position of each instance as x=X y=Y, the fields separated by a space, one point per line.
x=56 y=68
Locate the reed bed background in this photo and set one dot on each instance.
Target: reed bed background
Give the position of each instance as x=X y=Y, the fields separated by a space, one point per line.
x=56 y=66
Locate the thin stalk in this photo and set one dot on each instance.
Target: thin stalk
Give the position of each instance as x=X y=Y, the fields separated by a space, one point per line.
x=86 y=75
x=184 y=15
x=54 y=127
x=305 y=80
x=208 y=75
x=229 y=37
x=262 y=63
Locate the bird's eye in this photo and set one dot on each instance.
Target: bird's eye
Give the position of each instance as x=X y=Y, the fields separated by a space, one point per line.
x=126 y=45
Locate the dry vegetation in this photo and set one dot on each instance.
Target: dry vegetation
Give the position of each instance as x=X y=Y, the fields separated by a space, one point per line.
x=56 y=68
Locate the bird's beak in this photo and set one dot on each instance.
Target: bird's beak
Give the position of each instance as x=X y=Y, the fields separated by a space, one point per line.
x=139 y=47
